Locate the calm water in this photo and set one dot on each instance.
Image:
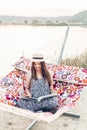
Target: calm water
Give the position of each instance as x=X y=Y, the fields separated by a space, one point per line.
x=16 y=40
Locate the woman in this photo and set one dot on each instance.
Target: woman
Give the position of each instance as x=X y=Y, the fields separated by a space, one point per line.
x=38 y=84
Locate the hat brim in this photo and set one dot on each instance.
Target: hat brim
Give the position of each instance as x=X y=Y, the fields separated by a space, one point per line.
x=37 y=60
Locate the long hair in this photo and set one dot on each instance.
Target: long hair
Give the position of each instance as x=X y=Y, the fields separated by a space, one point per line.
x=45 y=73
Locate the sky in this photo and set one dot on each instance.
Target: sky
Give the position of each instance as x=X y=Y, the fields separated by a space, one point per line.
x=42 y=7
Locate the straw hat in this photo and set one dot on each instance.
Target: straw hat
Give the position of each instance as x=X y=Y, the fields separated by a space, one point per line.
x=37 y=57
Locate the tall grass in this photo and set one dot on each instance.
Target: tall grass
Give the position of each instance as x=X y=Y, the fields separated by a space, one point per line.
x=78 y=61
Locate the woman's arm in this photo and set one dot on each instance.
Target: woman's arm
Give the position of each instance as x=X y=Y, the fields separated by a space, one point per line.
x=28 y=94
x=51 y=86
x=52 y=89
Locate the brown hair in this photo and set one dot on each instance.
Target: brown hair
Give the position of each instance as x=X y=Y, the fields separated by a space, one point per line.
x=45 y=73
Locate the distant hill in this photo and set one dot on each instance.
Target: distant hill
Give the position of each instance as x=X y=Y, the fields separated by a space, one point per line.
x=81 y=16
x=77 y=19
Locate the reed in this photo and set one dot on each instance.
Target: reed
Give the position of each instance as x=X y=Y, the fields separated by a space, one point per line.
x=78 y=61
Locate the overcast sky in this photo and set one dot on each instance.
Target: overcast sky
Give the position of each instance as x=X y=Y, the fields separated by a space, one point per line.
x=42 y=7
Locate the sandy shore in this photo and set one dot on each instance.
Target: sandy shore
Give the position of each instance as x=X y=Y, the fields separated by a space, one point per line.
x=10 y=121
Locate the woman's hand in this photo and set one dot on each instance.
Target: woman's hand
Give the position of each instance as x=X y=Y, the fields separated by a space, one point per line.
x=28 y=94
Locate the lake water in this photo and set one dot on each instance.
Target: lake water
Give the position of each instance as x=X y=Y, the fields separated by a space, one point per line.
x=18 y=40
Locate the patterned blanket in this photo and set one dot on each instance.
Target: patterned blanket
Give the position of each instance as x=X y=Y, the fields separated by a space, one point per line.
x=68 y=82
